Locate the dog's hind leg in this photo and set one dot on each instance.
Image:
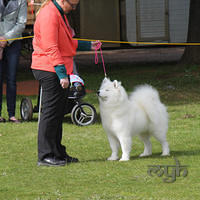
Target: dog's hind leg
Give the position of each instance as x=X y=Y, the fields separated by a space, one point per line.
x=165 y=148
x=145 y=137
x=114 y=145
x=126 y=145
x=163 y=141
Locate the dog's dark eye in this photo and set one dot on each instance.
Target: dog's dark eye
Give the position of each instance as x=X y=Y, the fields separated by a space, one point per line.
x=107 y=90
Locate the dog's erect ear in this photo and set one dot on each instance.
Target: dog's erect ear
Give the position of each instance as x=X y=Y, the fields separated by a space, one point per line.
x=106 y=79
x=116 y=83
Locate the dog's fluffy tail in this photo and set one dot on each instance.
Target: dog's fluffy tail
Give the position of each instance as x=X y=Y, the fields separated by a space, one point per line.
x=148 y=99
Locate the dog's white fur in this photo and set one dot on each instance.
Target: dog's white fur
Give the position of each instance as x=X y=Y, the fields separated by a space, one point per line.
x=140 y=114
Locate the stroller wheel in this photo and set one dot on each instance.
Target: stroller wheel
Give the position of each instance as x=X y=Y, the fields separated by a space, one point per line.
x=83 y=114
x=26 y=109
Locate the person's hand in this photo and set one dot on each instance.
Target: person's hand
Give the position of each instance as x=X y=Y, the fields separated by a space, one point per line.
x=3 y=42
x=64 y=82
x=96 y=45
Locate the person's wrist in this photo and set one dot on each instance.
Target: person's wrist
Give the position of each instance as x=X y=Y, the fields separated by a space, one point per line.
x=61 y=71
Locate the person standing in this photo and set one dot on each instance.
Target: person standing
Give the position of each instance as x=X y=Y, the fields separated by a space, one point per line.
x=52 y=63
x=13 y=17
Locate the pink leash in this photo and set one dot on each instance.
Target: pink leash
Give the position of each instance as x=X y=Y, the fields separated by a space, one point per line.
x=96 y=57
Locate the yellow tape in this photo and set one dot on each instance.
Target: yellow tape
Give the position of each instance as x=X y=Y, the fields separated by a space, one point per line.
x=148 y=43
x=122 y=42
x=21 y=38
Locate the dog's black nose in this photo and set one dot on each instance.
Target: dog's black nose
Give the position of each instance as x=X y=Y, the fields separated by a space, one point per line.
x=98 y=93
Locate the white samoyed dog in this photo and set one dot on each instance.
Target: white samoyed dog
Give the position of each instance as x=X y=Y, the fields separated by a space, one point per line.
x=140 y=114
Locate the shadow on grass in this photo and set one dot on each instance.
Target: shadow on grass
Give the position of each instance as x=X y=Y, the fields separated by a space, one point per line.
x=186 y=153
x=29 y=121
x=94 y=160
x=172 y=154
x=155 y=155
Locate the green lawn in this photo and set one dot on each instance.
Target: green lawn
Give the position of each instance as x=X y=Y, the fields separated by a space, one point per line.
x=95 y=178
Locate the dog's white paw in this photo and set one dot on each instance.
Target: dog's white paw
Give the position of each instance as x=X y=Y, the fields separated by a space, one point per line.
x=124 y=159
x=145 y=154
x=165 y=154
x=112 y=158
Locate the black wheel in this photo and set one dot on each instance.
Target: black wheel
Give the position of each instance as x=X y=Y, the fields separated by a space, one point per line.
x=26 y=109
x=83 y=114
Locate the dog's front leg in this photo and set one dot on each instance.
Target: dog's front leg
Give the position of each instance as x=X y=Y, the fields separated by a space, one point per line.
x=114 y=145
x=126 y=145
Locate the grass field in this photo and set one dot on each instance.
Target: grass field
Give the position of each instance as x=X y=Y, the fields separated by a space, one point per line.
x=94 y=178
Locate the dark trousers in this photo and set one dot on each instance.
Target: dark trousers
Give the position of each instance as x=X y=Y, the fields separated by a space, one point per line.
x=8 y=68
x=54 y=100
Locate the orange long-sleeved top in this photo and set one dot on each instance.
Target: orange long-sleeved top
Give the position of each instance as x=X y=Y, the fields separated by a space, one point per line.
x=53 y=43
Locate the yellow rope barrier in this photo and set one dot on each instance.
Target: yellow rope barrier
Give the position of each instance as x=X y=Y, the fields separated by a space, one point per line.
x=122 y=42
x=21 y=38
x=148 y=43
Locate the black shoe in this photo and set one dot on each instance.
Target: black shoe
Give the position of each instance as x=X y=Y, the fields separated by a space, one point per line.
x=70 y=159
x=51 y=162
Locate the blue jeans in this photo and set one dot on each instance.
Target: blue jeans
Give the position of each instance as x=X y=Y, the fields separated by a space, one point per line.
x=8 y=69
